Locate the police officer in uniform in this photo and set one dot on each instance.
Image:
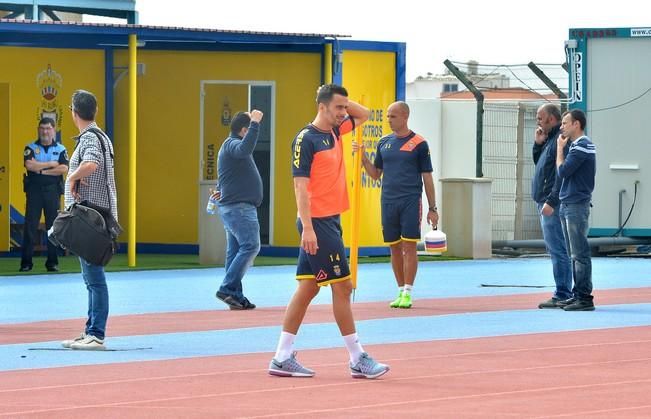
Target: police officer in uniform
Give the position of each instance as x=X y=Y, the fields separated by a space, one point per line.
x=46 y=161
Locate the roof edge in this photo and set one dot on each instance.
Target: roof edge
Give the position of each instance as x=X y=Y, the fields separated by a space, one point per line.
x=165 y=28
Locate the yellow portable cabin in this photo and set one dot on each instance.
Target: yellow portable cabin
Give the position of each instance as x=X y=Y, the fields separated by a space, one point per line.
x=189 y=82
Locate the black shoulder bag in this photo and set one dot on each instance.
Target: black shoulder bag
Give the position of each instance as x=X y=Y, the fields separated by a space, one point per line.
x=88 y=230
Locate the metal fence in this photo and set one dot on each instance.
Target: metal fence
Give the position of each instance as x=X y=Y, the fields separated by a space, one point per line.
x=508 y=140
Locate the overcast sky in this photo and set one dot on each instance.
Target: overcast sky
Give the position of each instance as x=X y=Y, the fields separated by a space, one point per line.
x=491 y=32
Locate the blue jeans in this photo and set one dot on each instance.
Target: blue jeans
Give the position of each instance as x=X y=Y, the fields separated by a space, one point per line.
x=552 y=230
x=98 y=298
x=575 y=229
x=242 y=245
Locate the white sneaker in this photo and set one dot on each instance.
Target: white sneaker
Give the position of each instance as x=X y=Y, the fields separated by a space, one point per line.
x=89 y=343
x=68 y=343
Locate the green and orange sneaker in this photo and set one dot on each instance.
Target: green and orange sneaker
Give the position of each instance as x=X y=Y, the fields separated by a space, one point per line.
x=396 y=303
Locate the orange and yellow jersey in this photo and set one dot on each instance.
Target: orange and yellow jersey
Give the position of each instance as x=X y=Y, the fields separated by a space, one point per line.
x=319 y=155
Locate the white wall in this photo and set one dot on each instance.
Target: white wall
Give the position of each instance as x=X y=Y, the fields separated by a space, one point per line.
x=458 y=135
x=433 y=88
x=426 y=89
x=449 y=127
x=425 y=119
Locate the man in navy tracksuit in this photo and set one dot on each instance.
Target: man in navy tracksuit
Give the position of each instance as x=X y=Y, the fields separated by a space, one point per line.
x=577 y=172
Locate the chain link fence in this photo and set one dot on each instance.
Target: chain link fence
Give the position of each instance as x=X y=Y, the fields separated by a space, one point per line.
x=508 y=141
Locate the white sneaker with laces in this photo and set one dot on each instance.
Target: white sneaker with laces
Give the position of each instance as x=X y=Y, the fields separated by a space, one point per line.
x=68 y=342
x=89 y=343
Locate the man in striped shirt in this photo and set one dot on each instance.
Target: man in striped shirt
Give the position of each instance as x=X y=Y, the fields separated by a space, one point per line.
x=577 y=172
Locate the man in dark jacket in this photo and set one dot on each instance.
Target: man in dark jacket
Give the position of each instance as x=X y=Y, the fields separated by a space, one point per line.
x=240 y=192
x=544 y=191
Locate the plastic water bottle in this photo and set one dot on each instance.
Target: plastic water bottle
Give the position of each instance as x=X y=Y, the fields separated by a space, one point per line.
x=211 y=208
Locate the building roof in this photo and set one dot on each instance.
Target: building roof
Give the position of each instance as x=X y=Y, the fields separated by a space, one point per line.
x=26 y=32
x=174 y=28
x=509 y=93
x=452 y=77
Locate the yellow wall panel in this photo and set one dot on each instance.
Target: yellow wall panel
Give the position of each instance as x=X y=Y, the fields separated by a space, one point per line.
x=372 y=75
x=221 y=103
x=34 y=90
x=169 y=130
x=5 y=152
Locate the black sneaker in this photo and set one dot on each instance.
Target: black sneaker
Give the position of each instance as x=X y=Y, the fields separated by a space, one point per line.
x=230 y=301
x=53 y=268
x=248 y=305
x=563 y=303
x=551 y=303
x=580 y=305
x=25 y=268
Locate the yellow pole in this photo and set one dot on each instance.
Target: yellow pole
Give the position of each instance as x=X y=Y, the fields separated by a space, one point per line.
x=327 y=64
x=356 y=207
x=132 y=148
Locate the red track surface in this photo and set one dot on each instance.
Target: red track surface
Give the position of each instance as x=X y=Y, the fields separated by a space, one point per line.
x=221 y=319
x=603 y=374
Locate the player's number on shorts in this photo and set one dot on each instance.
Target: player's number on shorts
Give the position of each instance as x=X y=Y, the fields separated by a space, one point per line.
x=335 y=257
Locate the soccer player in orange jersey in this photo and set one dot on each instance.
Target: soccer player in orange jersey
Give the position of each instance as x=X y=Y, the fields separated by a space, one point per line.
x=321 y=196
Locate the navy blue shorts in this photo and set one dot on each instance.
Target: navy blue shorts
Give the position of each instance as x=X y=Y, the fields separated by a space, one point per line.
x=329 y=265
x=401 y=220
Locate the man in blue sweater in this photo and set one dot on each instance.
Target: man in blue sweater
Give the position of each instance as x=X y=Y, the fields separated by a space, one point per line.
x=577 y=172
x=240 y=193
x=545 y=187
